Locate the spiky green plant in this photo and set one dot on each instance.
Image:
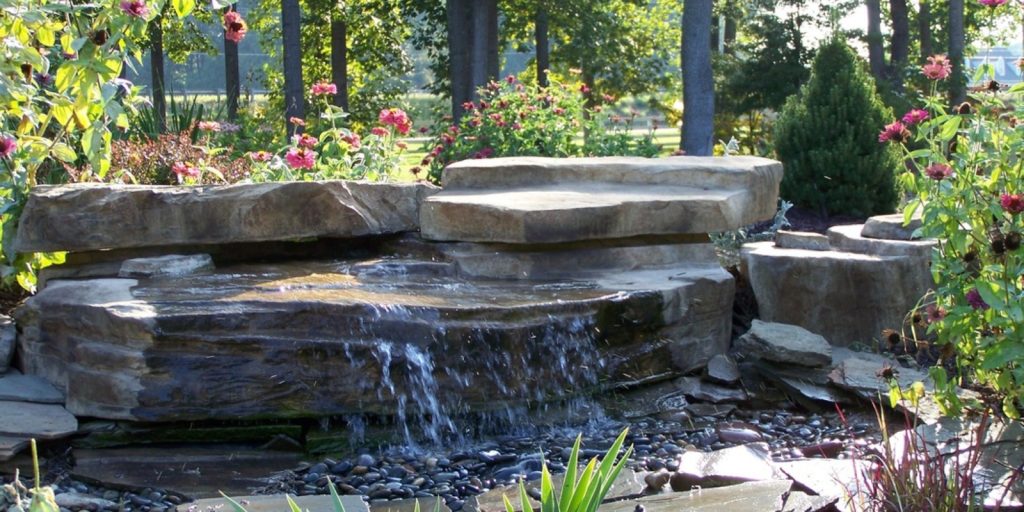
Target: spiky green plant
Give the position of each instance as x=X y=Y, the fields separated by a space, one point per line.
x=582 y=494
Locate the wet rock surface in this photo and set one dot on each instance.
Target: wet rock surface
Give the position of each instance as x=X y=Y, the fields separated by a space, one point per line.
x=783 y=343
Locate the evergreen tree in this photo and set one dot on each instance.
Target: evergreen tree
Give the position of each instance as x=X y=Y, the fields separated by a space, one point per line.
x=827 y=139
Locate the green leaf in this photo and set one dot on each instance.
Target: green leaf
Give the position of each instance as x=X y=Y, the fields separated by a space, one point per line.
x=949 y=128
x=524 y=499
x=63 y=152
x=335 y=499
x=236 y=506
x=43 y=500
x=508 y=504
x=569 y=483
x=291 y=504
x=183 y=7
x=1001 y=354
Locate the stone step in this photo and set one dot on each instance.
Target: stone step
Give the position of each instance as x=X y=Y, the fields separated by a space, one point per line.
x=552 y=200
x=41 y=421
x=81 y=217
x=11 y=446
x=15 y=387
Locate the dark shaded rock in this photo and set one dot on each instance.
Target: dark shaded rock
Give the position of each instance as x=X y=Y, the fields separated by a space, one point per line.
x=722 y=370
x=657 y=480
x=738 y=432
x=11 y=446
x=172 y=265
x=783 y=343
x=106 y=434
x=710 y=410
x=80 y=217
x=746 y=463
x=79 y=501
x=696 y=389
x=8 y=336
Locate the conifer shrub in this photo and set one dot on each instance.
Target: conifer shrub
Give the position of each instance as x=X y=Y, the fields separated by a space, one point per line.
x=827 y=140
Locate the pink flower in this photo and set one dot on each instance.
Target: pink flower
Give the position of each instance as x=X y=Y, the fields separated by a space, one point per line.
x=469 y=105
x=935 y=313
x=511 y=79
x=136 y=8
x=397 y=118
x=260 y=156
x=915 y=116
x=185 y=170
x=484 y=153
x=305 y=141
x=300 y=158
x=974 y=299
x=1012 y=203
x=323 y=89
x=938 y=172
x=401 y=145
x=234 y=27
x=379 y=131
x=559 y=111
x=7 y=146
x=353 y=140
x=209 y=126
x=894 y=132
x=608 y=98
x=297 y=121
x=938 y=67
x=992 y=3
x=424 y=130
x=584 y=89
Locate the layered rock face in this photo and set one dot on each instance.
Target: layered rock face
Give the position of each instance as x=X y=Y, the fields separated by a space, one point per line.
x=402 y=326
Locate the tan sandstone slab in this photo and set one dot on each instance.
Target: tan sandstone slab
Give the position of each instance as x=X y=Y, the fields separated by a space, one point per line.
x=42 y=421
x=547 y=200
x=85 y=217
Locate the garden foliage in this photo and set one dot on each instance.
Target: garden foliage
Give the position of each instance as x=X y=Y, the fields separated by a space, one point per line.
x=515 y=119
x=826 y=137
x=967 y=176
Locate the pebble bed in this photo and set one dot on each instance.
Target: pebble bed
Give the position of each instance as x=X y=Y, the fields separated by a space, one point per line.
x=458 y=475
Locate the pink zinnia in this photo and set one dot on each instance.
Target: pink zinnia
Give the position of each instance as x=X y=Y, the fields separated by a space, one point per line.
x=260 y=156
x=7 y=146
x=938 y=172
x=234 y=26
x=894 y=132
x=209 y=126
x=305 y=141
x=379 y=131
x=992 y=3
x=136 y=8
x=183 y=170
x=975 y=300
x=297 y=121
x=352 y=140
x=938 y=67
x=915 y=116
x=323 y=89
x=300 y=158
x=396 y=117
x=1012 y=203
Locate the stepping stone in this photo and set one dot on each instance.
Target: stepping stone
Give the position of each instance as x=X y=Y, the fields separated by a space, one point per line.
x=890 y=227
x=746 y=497
x=744 y=463
x=808 y=241
x=825 y=477
x=8 y=337
x=16 y=387
x=278 y=503
x=11 y=446
x=551 y=200
x=785 y=343
x=200 y=471
x=42 y=421
x=409 y=505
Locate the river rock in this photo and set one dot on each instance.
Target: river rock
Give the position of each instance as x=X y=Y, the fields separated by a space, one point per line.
x=696 y=389
x=844 y=296
x=171 y=265
x=8 y=336
x=728 y=466
x=529 y=200
x=783 y=343
x=890 y=227
x=86 y=217
x=79 y=501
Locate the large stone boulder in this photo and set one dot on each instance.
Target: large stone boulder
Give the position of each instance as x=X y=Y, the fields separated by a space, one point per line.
x=554 y=200
x=87 y=217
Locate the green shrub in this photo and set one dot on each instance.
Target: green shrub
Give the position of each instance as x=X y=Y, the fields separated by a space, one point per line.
x=827 y=139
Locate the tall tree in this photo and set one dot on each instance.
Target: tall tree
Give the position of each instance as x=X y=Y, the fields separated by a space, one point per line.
x=472 y=48
x=540 y=36
x=876 y=48
x=899 y=44
x=232 y=80
x=156 y=62
x=698 y=85
x=924 y=28
x=294 y=106
x=339 y=58
x=957 y=83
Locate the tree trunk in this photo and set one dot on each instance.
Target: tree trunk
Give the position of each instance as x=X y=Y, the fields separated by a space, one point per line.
x=458 y=54
x=339 y=60
x=899 y=49
x=924 y=29
x=156 y=64
x=698 y=87
x=957 y=82
x=730 y=36
x=540 y=35
x=232 y=80
x=291 y=19
x=876 y=51
x=472 y=48
x=483 y=44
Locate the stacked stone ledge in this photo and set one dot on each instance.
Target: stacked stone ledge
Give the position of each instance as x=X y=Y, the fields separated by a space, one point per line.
x=610 y=251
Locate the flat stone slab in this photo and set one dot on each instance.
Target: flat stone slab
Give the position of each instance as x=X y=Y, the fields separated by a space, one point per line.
x=802 y=240
x=848 y=238
x=87 y=217
x=278 y=503
x=723 y=370
x=784 y=343
x=15 y=387
x=172 y=265
x=728 y=466
x=199 y=471
x=553 y=200
x=11 y=446
x=41 y=421
x=835 y=478
x=890 y=227
x=746 y=497
x=629 y=484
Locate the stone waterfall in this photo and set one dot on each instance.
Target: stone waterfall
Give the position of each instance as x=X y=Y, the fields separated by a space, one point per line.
x=521 y=281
